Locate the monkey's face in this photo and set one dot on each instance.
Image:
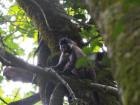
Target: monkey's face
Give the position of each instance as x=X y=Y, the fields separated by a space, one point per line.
x=66 y=48
x=65 y=45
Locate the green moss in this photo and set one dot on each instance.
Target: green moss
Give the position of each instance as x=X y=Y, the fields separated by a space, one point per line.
x=128 y=69
x=122 y=31
x=129 y=4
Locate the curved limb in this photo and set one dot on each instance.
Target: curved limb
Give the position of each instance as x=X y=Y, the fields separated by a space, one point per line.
x=27 y=101
x=58 y=95
x=46 y=90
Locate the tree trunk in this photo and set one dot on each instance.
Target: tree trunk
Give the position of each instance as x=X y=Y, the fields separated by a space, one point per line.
x=120 y=21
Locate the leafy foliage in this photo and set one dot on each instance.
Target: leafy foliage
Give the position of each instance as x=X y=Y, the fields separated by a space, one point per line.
x=15 y=29
x=15 y=25
x=84 y=62
x=76 y=9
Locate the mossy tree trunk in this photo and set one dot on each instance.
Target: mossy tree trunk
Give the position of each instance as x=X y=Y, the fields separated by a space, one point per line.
x=120 y=21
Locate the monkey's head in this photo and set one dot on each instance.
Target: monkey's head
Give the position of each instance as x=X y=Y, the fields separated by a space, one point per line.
x=66 y=44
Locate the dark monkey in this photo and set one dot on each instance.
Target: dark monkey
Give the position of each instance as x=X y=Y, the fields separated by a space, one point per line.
x=70 y=53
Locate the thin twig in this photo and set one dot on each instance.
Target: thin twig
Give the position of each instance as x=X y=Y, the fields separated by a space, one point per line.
x=105 y=88
x=3 y=101
x=72 y=94
x=43 y=13
x=4 y=61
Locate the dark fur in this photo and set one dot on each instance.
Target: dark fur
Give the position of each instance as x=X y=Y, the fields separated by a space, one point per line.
x=70 y=53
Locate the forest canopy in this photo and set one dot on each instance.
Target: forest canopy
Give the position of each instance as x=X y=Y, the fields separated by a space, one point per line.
x=107 y=32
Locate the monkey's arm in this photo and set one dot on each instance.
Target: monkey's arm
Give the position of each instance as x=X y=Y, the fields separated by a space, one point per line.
x=62 y=62
x=71 y=64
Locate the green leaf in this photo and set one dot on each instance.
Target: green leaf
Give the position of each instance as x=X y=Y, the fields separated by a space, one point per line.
x=117 y=29
x=14 y=47
x=87 y=50
x=13 y=9
x=83 y=62
x=1 y=78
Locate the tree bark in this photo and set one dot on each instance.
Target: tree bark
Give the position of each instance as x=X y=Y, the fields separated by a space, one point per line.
x=120 y=21
x=59 y=22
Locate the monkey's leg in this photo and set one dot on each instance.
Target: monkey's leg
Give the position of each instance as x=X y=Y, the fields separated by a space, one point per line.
x=27 y=101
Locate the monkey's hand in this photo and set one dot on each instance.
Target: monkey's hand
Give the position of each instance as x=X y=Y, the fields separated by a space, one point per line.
x=54 y=67
x=66 y=72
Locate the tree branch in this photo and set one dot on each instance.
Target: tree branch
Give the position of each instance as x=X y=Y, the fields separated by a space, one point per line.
x=106 y=88
x=50 y=74
x=3 y=100
x=57 y=95
x=27 y=101
x=47 y=72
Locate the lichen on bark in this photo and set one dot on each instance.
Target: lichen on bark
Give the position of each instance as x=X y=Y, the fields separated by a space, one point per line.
x=120 y=22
